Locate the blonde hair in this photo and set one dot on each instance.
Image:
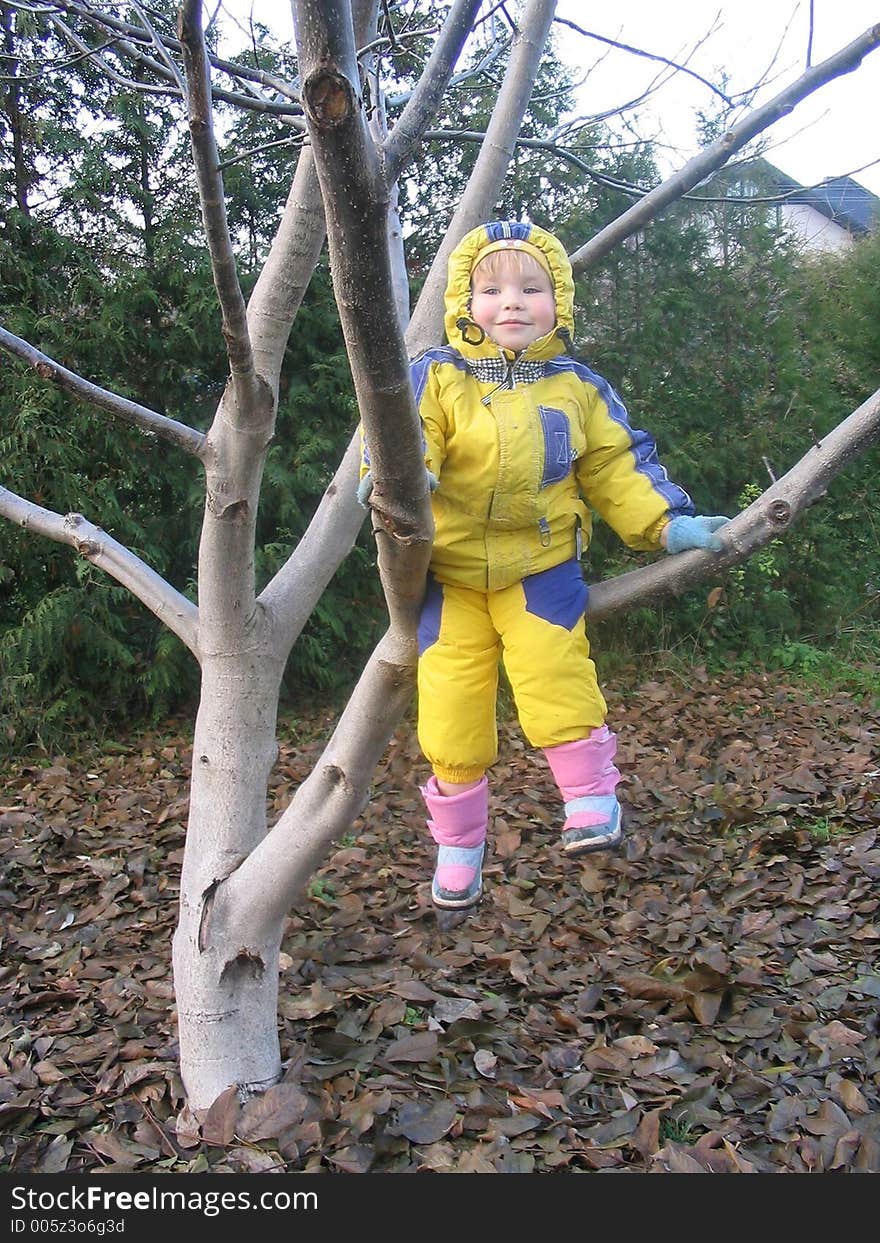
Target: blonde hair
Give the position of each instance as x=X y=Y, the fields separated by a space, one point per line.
x=517 y=262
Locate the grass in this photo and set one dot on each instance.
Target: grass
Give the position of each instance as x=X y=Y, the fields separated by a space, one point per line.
x=322 y=889
x=849 y=662
x=678 y=1130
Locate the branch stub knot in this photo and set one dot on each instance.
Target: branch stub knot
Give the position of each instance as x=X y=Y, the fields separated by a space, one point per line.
x=780 y=513
x=329 y=98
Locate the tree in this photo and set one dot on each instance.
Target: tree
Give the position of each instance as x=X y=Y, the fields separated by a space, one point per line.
x=240 y=876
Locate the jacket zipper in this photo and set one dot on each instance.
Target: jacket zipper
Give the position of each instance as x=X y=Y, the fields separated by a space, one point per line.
x=507 y=383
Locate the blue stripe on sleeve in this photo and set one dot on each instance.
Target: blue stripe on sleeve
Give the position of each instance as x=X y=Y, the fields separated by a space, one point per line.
x=642 y=447
x=421 y=366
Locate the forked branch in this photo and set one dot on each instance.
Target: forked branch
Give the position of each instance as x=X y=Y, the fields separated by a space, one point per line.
x=422 y=105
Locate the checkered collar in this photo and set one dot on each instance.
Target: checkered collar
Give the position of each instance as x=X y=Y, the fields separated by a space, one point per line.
x=499 y=371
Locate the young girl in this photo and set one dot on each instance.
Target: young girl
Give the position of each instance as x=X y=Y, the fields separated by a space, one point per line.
x=523 y=441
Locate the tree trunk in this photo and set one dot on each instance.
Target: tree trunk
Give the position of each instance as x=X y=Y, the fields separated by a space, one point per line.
x=225 y=975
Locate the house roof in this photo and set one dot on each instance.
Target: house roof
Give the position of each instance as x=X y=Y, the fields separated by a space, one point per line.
x=839 y=198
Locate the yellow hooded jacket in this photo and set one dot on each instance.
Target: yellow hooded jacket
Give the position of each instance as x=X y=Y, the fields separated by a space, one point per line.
x=525 y=445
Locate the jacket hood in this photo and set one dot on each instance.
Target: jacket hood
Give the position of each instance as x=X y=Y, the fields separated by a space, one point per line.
x=461 y=331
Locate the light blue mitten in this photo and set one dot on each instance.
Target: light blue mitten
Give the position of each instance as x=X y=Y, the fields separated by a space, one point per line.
x=365 y=487
x=700 y=532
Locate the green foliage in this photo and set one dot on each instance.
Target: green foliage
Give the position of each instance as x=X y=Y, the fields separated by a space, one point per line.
x=103 y=268
x=69 y=459
x=322 y=890
x=825 y=829
x=72 y=642
x=677 y=1129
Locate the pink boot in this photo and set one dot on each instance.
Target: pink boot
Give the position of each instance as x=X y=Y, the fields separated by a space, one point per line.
x=587 y=777
x=458 y=826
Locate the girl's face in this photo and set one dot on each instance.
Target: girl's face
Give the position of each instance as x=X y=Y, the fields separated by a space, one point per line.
x=512 y=307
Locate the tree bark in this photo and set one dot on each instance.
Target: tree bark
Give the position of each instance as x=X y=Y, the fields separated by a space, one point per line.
x=227 y=989
x=225 y=982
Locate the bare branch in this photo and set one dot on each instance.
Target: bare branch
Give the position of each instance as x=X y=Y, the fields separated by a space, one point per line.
x=569 y=156
x=292 y=594
x=237 y=157
x=565 y=154
x=167 y=60
x=186 y=438
x=132 y=35
x=426 y=326
x=809 y=59
x=426 y=98
x=377 y=127
x=720 y=151
x=173 y=609
x=144 y=88
x=356 y=201
x=394 y=42
x=211 y=195
x=285 y=275
x=678 y=66
x=760 y=200
x=766 y=519
x=51 y=66
x=492 y=54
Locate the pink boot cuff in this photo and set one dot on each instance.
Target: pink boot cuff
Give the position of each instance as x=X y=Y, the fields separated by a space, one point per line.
x=457 y=819
x=585 y=766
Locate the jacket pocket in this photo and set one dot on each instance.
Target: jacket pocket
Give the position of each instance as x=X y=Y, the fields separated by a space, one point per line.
x=557 y=445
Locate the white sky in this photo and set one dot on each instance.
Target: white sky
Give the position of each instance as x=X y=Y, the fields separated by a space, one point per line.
x=831 y=133
x=836 y=131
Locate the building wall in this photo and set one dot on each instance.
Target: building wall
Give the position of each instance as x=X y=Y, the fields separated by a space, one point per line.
x=811 y=230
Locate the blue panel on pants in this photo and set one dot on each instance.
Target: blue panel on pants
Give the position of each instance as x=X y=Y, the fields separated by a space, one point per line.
x=558 y=595
x=429 y=618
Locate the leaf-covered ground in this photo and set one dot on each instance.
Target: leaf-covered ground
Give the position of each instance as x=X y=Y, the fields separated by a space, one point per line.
x=706 y=999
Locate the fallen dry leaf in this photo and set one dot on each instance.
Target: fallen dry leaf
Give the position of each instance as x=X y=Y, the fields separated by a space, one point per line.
x=703 y=999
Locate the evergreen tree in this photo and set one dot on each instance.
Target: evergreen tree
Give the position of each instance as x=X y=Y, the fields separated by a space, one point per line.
x=101 y=265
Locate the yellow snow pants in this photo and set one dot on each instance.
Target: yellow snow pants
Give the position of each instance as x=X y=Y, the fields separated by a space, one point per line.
x=537 y=628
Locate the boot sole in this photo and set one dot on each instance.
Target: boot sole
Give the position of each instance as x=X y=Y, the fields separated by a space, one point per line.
x=590 y=847
x=456 y=904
